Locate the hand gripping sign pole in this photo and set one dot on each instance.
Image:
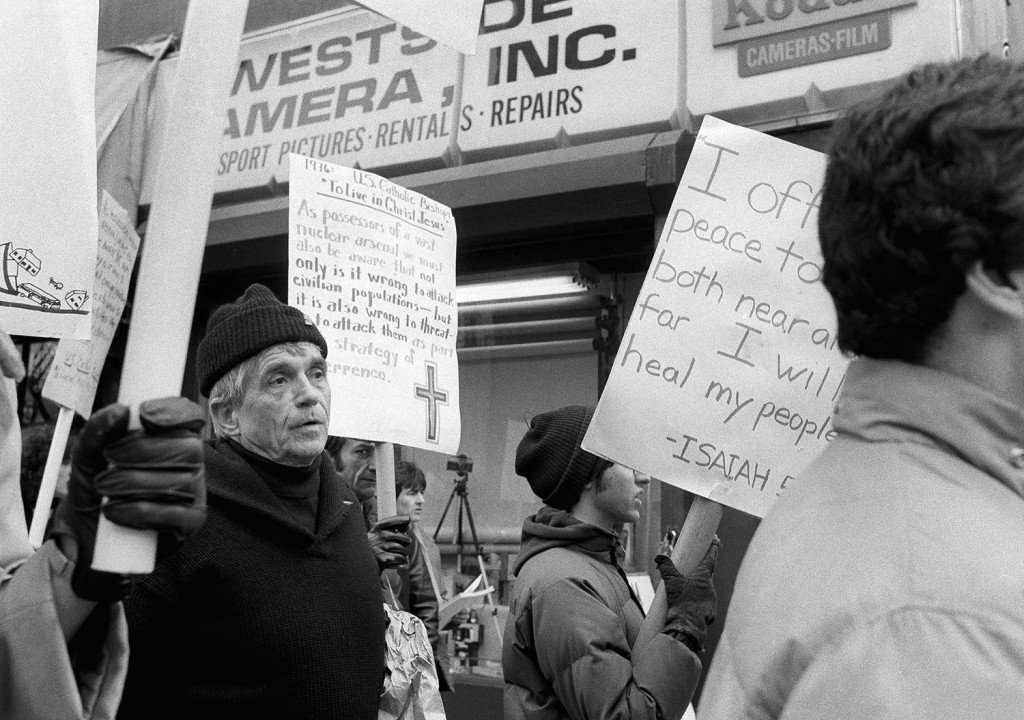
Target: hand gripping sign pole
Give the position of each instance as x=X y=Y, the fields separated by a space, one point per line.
x=694 y=539
x=171 y=260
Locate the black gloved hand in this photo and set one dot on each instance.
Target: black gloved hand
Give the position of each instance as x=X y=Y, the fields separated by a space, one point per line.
x=691 y=598
x=389 y=541
x=152 y=479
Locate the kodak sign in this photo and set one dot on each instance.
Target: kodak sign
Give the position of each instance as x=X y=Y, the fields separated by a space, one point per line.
x=736 y=20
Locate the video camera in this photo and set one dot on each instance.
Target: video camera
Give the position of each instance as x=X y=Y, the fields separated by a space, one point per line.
x=460 y=465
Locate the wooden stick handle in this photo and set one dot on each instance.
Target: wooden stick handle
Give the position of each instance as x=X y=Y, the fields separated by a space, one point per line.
x=384 y=459
x=41 y=512
x=179 y=217
x=694 y=540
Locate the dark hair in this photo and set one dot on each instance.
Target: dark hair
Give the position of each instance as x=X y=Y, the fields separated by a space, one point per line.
x=409 y=477
x=921 y=184
x=333 y=446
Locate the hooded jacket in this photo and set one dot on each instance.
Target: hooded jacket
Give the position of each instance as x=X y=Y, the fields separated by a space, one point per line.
x=568 y=649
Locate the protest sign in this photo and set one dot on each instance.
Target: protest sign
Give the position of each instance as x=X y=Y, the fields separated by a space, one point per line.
x=728 y=370
x=372 y=264
x=454 y=22
x=75 y=371
x=48 y=126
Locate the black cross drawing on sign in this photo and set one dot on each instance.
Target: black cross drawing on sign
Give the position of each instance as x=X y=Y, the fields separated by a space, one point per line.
x=434 y=397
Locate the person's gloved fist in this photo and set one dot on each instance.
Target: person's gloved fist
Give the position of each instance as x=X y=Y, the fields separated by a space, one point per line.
x=389 y=541
x=152 y=479
x=691 y=598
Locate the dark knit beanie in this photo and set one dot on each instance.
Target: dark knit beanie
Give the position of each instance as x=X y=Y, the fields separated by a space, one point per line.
x=237 y=331
x=550 y=457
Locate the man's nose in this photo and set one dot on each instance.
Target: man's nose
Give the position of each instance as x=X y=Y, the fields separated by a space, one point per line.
x=307 y=393
x=641 y=478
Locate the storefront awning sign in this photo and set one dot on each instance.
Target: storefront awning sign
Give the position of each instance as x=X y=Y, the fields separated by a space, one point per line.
x=349 y=88
x=728 y=369
x=764 y=54
x=572 y=67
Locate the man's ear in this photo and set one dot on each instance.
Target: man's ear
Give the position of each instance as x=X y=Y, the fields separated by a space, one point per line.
x=224 y=418
x=999 y=291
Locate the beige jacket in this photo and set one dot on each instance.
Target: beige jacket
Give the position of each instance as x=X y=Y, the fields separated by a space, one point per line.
x=890 y=582
x=38 y=678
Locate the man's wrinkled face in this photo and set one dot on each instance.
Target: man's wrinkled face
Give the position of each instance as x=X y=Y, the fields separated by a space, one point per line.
x=284 y=409
x=358 y=468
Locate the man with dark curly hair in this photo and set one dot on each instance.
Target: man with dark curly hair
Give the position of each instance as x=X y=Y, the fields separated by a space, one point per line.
x=889 y=583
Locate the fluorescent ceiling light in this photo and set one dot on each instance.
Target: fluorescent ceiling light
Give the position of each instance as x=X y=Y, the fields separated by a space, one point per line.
x=520 y=284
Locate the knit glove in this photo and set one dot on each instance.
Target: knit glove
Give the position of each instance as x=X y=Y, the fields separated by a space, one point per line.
x=152 y=479
x=691 y=598
x=389 y=541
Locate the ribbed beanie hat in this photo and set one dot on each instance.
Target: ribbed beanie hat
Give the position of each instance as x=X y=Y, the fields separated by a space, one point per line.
x=237 y=331
x=550 y=457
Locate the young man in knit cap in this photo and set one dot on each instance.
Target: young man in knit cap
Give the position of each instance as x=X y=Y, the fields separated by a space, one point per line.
x=273 y=609
x=569 y=642
x=889 y=581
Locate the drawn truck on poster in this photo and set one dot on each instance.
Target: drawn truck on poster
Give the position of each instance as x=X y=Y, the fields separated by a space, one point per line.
x=39 y=297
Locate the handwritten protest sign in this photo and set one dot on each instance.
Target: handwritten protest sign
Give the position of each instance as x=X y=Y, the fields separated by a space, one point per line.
x=48 y=155
x=372 y=264
x=75 y=371
x=728 y=370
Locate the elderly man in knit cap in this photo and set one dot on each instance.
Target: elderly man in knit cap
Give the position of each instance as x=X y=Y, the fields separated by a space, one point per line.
x=569 y=643
x=273 y=609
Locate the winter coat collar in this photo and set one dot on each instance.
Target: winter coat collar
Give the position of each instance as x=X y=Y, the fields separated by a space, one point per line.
x=889 y=400
x=235 y=486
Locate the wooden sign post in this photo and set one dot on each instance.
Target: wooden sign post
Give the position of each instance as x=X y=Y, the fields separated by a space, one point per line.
x=172 y=256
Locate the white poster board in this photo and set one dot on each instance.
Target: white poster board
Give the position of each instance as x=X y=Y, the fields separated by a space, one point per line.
x=453 y=22
x=48 y=156
x=372 y=264
x=75 y=371
x=728 y=370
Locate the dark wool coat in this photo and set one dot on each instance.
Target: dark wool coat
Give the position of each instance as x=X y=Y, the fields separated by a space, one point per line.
x=254 y=617
x=569 y=642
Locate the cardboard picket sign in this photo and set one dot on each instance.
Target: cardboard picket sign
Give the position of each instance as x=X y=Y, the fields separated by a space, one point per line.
x=75 y=371
x=48 y=126
x=728 y=369
x=372 y=265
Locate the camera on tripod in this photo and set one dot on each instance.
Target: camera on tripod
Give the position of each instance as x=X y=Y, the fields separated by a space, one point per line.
x=460 y=465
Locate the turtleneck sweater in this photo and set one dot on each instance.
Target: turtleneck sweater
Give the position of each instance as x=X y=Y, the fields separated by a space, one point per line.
x=298 y=488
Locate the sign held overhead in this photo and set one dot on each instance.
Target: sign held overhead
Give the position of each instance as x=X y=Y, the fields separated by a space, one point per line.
x=729 y=367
